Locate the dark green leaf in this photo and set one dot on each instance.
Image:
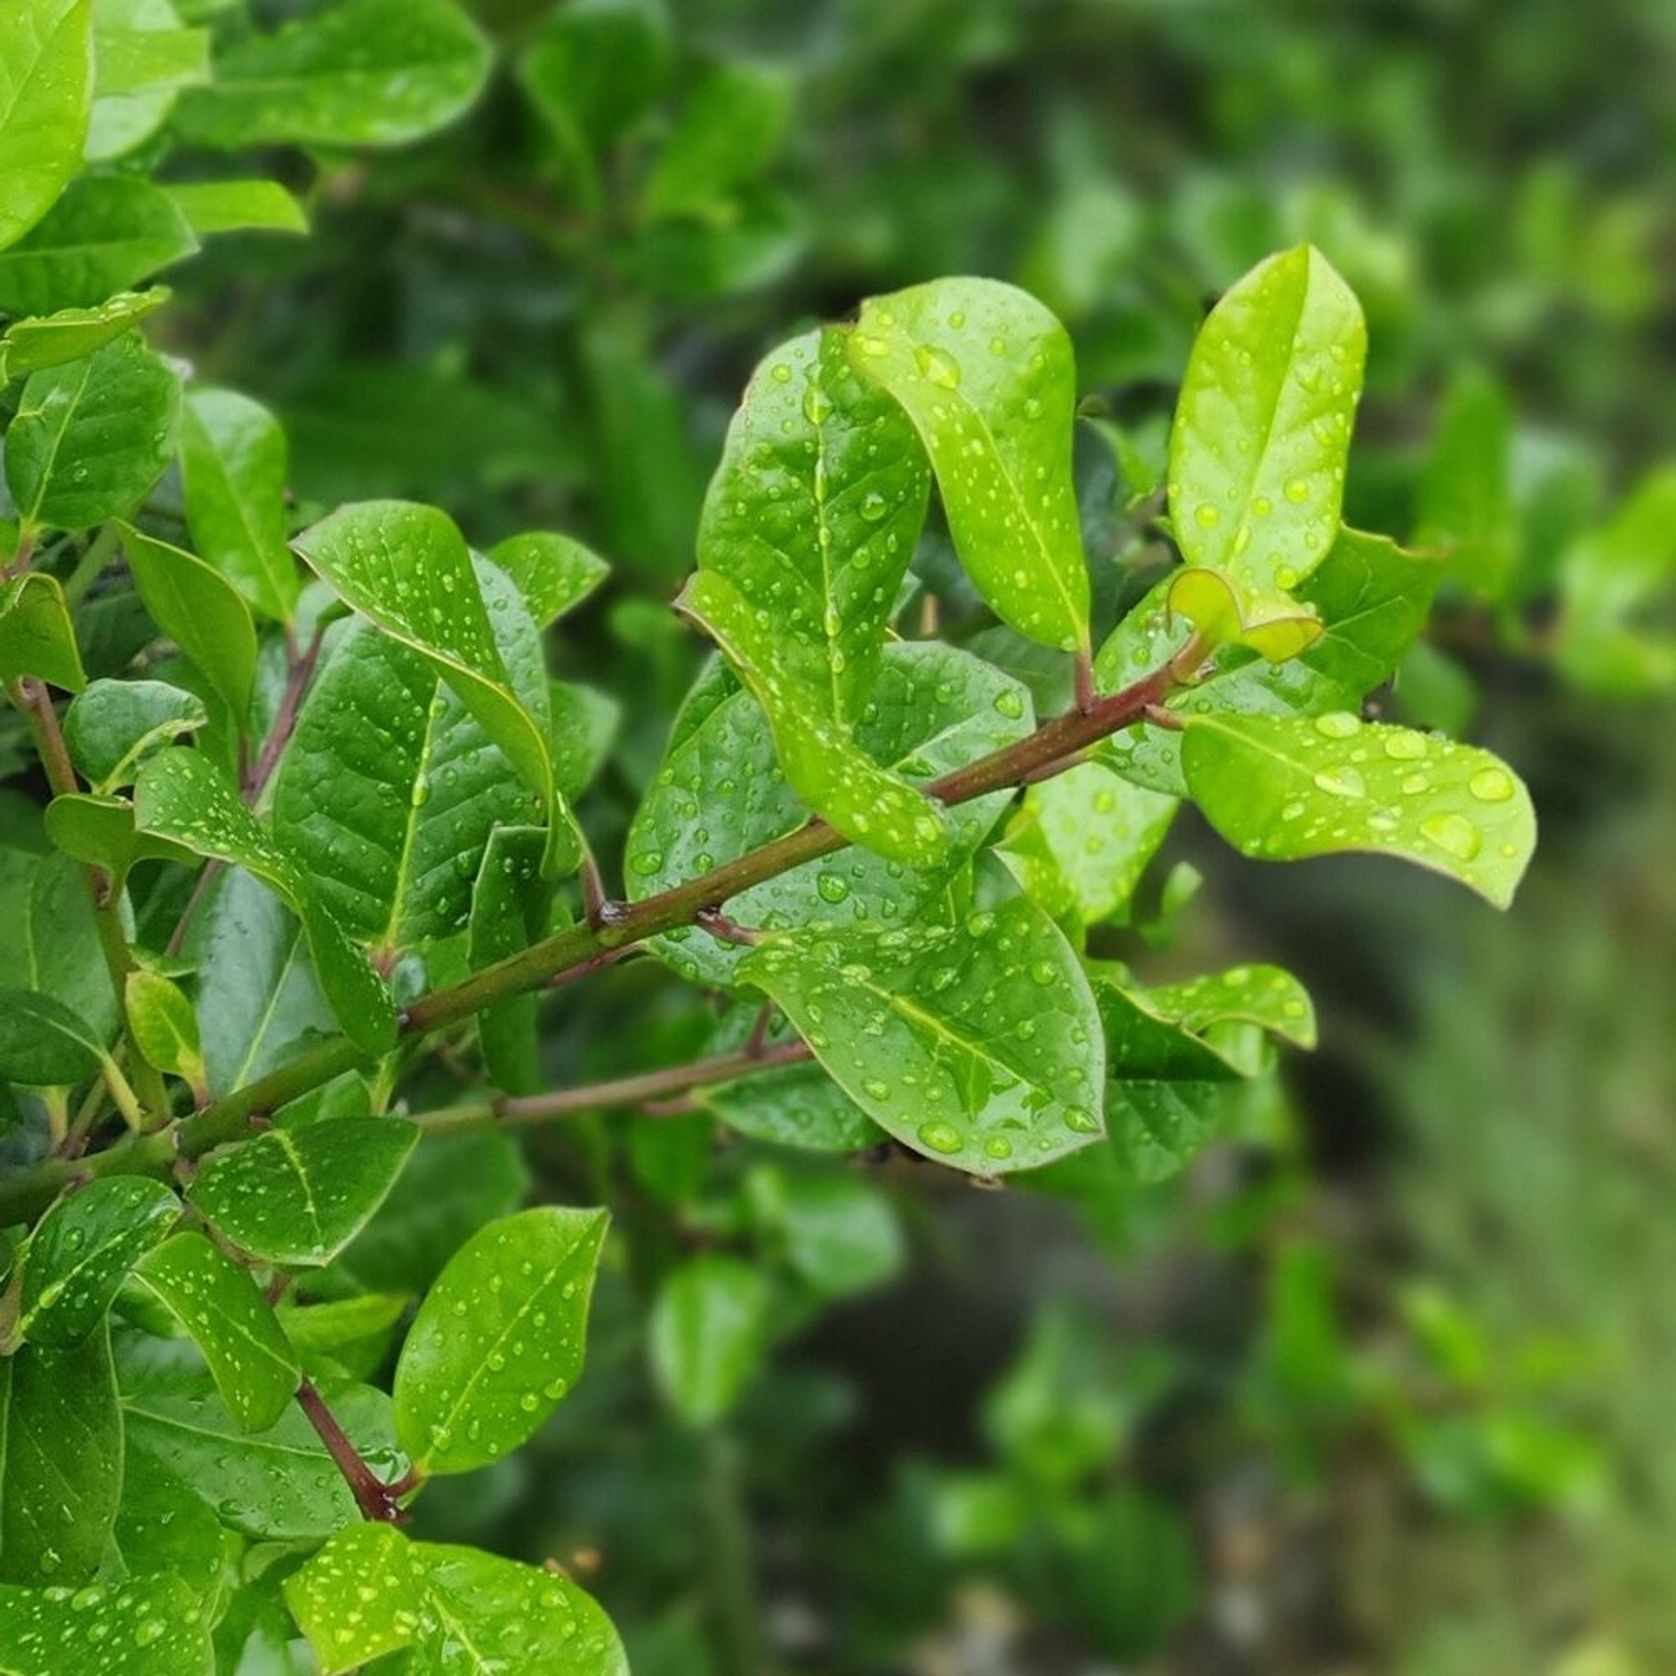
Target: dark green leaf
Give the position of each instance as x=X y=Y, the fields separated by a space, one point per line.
x=54 y=942
x=114 y=726
x=511 y=906
x=36 y=635
x=163 y=1530
x=43 y=1043
x=709 y=1332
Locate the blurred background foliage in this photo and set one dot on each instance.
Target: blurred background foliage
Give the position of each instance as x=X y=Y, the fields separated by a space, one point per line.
x=1381 y=1381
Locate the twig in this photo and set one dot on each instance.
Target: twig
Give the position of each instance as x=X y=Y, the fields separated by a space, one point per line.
x=377 y=1500
x=285 y=719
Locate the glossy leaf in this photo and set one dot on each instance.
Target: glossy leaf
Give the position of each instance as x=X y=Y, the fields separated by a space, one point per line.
x=164 y=1027
x=115 y=726
x=976 y=1044
x=708 y=1335
x=987 y=376
x=145 y=1626
x=163 y=1530
x=499 y=1340
x=98 y=829
x=237 y=206
x=1265 y=996
x=92 y=437
x=49 y=340
x=37 y=637
x=1282 y=789
x=510 y=908
x=553 y=572
x=142 y=57
x=46 y=87
x=43 y=1043
x=1262 y=427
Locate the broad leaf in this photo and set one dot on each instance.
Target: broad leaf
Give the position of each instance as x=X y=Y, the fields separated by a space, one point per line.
x=553 y=572
x=146 y=1626
x=499 y=1340
x=53 y=943
x=728 y=131
x=298 y=1196
x=226 y=1316
x=46 y=87
x=163 y=1530
x=92 y=437
x=237 y=206
x=98 y=829
x=43 y=1043
x=977 y=1044
x=351 y=1333
x=709 y=1333
x=1283 y=789
x=37 y=637
x=805 y=537
x=986 y=374
x=1262 y=427
x=115 y=726
x=143 y=57
x=164 y=1027
x=49 y=340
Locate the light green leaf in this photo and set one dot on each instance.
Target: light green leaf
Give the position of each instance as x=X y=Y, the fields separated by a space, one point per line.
x=806 y=534
x=1466 y=490
x=977 y=1045
x=233 y=464
x=353 y=1333
x=499 y=1340
x=115 y=726
x=1266 y=996
x=43 y=1043
x=720 y=793
x=164 y=1027
x=1281 y=789
x=146 y=1626
x=1262 y=427
x=61 y=1470
x=92 y=437
x=46 y=87
x=180 y=796
x=237 y=206
x=987 y=376
x=143 y=57
x=106 y=234
x=709 y=1332
x=728 y=132
x=82 y=1250
x=366 y=72
x=226 y=1316
x=359 y=1598
x=49 y=340
x=37 y=637
x=553 y=572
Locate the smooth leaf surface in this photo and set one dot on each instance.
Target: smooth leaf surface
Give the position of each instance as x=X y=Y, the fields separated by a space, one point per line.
x=49 y=340
x=1465 y=494
x=553 y=572
x=147 y=1626
x=237 y=206
x=43 y=1043
x=164 y=1027
x=46 y=88
x=708 y=1335
x=510 y=907
x=113 y=727
x=163 y=1530
x=142 y=57
x=37 y=637
x=53 y=946
x=727 y=132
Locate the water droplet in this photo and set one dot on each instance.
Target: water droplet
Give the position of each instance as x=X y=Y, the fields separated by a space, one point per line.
x=1297 y=491
x=831 y=888
x=1454 y=833
x=1009 y=702
x=940 y=1137
x=937 y=365
x=1337 y=724
x=1405 y=746
x=1491 y=785
x=1341 y=782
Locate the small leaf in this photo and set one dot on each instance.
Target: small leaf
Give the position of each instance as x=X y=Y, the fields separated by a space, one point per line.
x=237 y=206
x=987 y=376
x=709 y=1332
x=839 y=1235
x=226 y=1316
x=44 y=1044
x=499 y=1340
x=45 y=47
x=1281 y=789
x=371 y=1565
x=352 y=1333
x=1465 y=494
x=553 y=572
x=728 y=131
x=299 y=1196
x=49 y=340
x=233 y=464
x=511 y=907
x=81 y=1252
x=164 y=1027
x=154 y=1620
x=92 y=437
x=115 y=726
x=1262 y=995
x=37 y=637
x=1262 y=428
x=977 y=1045
x=99 y=830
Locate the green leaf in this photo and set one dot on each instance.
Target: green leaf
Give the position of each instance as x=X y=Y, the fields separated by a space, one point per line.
x=143 y=57
x=200 y=611
x=511 y=907
x=106 y=234
x=987 y=376
x=977 y=1045
x=408 y=569
x=709 y=1332
x=81 y=1252
x=1266 y=996
x=366 y=72
x=354 y=1333
x=585 y=724
x=99 y=830
x=147 y=1626
x=53 y=943
x=1281 y=789
x=163 y=1530
x=226 y=1316
x=92 y=437
x=180 y=796
x=46 y=87
x=49 y=340
x=114 y=727
x=237 y=206
x=553 y=572
x=164 y=1027
x=1262 y=427
x=37 y=636
x=499 y=1340
x=298 y=1196
x=720 y=793
x=728 y=132
x=805 y=537
x=44 y=1044
x=1465 y=496
x=839 y=1235
x=61 y=1470
x=233 y=464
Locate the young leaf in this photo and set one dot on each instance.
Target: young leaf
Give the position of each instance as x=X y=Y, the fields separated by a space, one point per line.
x=986 y=374
x=366 y=72
x=553 y=572
x=164 y=1027
x=1281 y=789
x=116 y=726
x=98 y=829
x=352 y=1333
x=237 y=206
x=806 y=534
x=359 y=1598
x=46 y=87
x=1262 y=427
x=1466 y=491
x=226 y=1316
x=727 y=133
x=1266 y=996
x=142 y=57
x=49 y=340
x=298 y=1196
x=708 y=1335
x=499 y=1340
x=36 y=635
x=179 y=796
x=81 y=1252
x=92 y=437
x=200 y=611
x=233 y=463
x=160 y=1630
x=43 y=1044
x=977 y=1045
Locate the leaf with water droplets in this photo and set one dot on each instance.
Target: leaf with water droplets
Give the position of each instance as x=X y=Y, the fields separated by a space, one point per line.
x=1266 y=996
x=92 y=437
x=499 y=1340
x=987 y=376
x=37 y=637
x=1262 y=427
x=233 y=466
x=82 y=1250
x=977 y=1044
x=226 y=1316
x=1284 y=788
x=806 y=534
x=61 y=1468
x=43 y=1043
x=46 y=89
x=163 y=1530
x=553 y=572
x=180 y=796
x=114 y=726
x=511 y=906
x=49 y=340
x=299 y=1196
x=145 y=1626
x=720 y=793
x=365 y=72
x=709 y=1334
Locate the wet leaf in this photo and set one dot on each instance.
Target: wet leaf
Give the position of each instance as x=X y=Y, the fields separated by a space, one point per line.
x=49 y=340
x=43 y=1043
x=146 y=1626
x=553 y=572
x=114 y=726
x=44 y=100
